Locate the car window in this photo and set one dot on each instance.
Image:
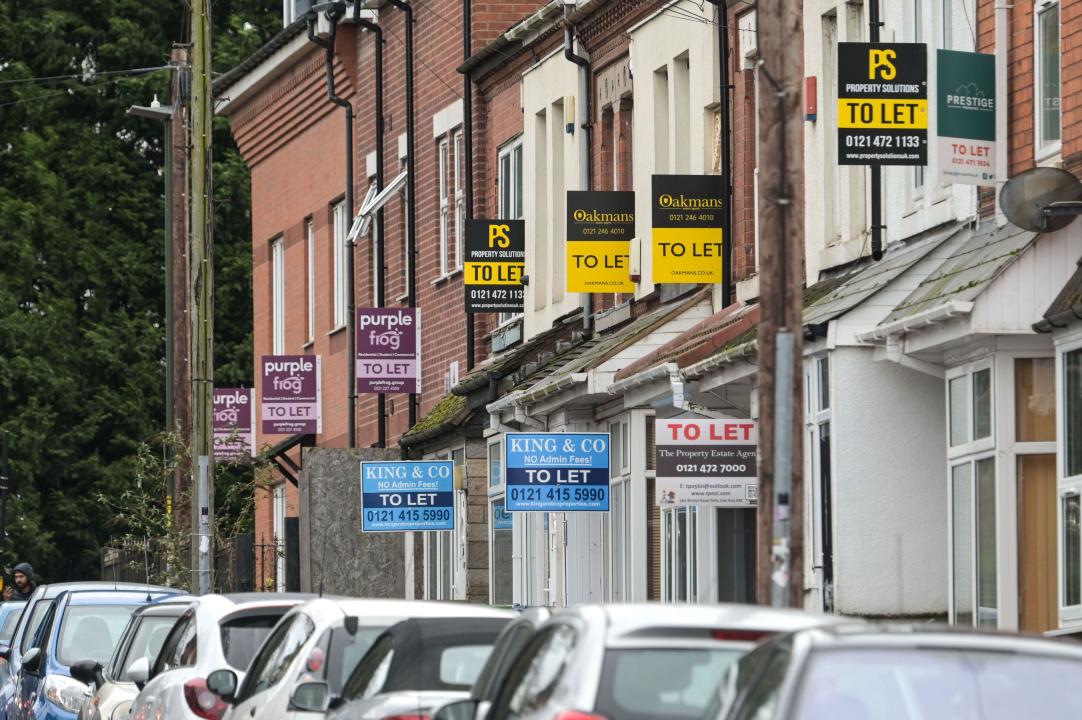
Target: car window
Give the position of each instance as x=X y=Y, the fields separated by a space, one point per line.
x=37 y=614
x=147 y=642
x=459 y=665
x=242 y=636
x=535 y=675
x=273 y=659
x=499 y=662
x=8 y=629
x=44 y=626
x=176 y=644
x=90 y=632
x=341 y=653
x=371 y=672
x=645 y=683
x=761 y=701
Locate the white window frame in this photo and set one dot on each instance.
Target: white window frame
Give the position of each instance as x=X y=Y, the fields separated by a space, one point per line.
x=918 y=173
x=1045 y=150
x=670 y=553
x=817 y=414
x=310 y=251
x=619 y=568
x=460 y=200
x=278 y=297
x=407 y=261
x=445 y=239
x=435 y=542
x=513 y=151
x=341 y=279
x=278 y=519
x=1067 y=485
x=497 y=492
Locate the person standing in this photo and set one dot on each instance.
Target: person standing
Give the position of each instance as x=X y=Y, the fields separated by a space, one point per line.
x=23 y=586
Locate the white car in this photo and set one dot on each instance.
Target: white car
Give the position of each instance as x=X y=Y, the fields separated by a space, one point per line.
x=217 y=631
x=318 y=644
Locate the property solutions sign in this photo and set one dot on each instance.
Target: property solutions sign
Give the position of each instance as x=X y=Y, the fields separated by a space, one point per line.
x=556 y=472
x=882 y=104
x=407 y=496
x=291 y=394
x=687 y=239
x=600 y=226
x=388 y=350
x=966 y=117
x=495 y=261
x=234 y=423
x=706 y=462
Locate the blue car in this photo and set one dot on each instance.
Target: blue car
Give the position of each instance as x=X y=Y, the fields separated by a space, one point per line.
x=80 y=625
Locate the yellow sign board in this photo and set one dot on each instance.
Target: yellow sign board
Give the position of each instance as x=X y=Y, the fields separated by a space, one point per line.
x=688 y=242
x=600 y=226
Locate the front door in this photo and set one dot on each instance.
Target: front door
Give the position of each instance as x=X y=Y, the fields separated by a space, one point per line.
x=1037 y=578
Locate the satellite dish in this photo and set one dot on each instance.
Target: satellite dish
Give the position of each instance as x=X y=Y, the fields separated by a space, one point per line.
x=1042 y=199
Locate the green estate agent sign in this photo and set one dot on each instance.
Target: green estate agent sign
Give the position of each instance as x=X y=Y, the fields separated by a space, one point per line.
x=966 y=101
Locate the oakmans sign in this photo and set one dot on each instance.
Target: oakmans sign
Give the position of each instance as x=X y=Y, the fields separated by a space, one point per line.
x=600 y=226
x=686 y=211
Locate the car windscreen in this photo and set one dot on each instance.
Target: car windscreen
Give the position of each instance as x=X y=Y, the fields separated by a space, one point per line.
x=90 y=632
x=242 y=636
x=343 y=652
x=643 y=683
x=37 y=614
x=931 y=682
x=8 y=629
x=146 y=643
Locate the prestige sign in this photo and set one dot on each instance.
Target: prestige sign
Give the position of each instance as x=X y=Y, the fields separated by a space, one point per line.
x=388 y=350
x=556 y=472
x=687 y=219
x=882 y=104
x=495 y=262
x=600 y=226
x=291 y=394
x=706 y=462
x=234 y=423
x=407 y=496
x=966 y=117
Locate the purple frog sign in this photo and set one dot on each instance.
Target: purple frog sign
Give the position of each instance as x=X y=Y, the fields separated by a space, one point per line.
x=291 y=394
x=234 y=423
x=388 y=350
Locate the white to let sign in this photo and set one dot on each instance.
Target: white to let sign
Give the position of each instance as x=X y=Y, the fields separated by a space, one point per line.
x=707 y=462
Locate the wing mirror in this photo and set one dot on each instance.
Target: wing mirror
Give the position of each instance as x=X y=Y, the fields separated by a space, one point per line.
x=139 y=672
x=311 y=697
x=223 y=683
x=88 y=672
x=5 y=651
x=32 y=660
x=461 y=710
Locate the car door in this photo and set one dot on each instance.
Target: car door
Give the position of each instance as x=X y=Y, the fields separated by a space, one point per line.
x=27 y=682
x=263 y=689
x=534 y=678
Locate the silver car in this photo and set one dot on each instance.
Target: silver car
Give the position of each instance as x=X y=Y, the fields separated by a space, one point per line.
x=903 y=672
x=635 y=661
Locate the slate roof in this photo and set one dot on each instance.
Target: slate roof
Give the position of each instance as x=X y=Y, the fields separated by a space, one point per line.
x=225 y=81
x=450 y=412
x=1067 y=307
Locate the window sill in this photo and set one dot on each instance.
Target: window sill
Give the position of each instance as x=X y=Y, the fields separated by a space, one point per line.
x=335 y=330
x=1050 y=155
x=404 y=297
x=308 y=345
x=444 y=278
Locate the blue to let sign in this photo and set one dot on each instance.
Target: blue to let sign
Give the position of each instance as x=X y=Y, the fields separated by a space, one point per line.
x=557 y=472
x=407 y=496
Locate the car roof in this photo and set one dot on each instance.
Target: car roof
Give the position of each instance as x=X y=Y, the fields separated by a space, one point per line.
x=937 y=637
x=418 y=608
x=247 y=597
x=164 y=608
x=108 y=597
x=52 y=590
x=279 y=605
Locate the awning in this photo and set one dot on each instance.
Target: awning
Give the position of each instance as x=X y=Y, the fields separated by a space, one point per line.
x=278 y=455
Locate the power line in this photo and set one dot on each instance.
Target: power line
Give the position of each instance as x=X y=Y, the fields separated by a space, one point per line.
x=67 y=91
x=417 y=57
x=79 y=76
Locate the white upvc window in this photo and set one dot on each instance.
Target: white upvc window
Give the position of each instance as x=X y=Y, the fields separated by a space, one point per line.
x=820 y=492
x=918 y=36
x=460 y=201
x=445 y=209
x=1047 y=64
x=444 y=550
x=278 y=297
x=500 y=531
x=452 y=203
x=619 y=530
x=679 y=564
x=1069 y=374
x=341 y=279
x=310 y=252
x=510 y=191
x=279 y=520
x=373 y=236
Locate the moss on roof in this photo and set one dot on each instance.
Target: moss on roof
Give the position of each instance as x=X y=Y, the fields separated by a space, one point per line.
x=439 y=417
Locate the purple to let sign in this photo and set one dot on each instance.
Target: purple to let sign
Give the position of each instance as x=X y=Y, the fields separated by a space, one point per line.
x=291 y=394
x=388 y=350
x=234 y=423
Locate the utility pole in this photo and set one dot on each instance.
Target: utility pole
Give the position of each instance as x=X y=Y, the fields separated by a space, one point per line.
x=202 y=298
x=177 y=315
x=780 y=395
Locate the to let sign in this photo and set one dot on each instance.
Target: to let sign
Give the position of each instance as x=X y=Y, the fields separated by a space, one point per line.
x=687 y=219
x=495 y=262
x=600 y=226
x=291 y=394
x=706 y=462
x=388 y=350
x=407 y=496
x=234 y=423
x=557 y=472
x=966 y=117
x=882 y=104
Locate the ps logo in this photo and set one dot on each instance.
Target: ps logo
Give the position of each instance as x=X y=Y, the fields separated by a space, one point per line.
x=498 y=235
x=881 y=62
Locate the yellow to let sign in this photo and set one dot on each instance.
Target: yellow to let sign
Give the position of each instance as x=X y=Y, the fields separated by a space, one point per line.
x=883 y=114
x=687 y=255
x=494 y=273
x=598 y=266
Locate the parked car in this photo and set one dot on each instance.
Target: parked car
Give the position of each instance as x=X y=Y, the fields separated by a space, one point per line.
x=634 y=661
x=215 y=632
x=81 y=626
x=9 y=618
x=113 y=688
x=512 y=640
x=34 y=612
x=322 y=640
x=903 y=672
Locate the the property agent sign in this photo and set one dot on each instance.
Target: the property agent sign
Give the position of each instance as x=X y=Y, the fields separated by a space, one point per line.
x=290 y=394
x=882 y=104
x=234 y=423
x=407 y=496
x=687 y=219
x=556 y=472
x=706 y=462
x=966 y=117
x=600 y=226
x=388 y=350
x=495 y=262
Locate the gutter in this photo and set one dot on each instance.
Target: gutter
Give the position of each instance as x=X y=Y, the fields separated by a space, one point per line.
x=658 y=372
x=933 y=316
x=696 y=371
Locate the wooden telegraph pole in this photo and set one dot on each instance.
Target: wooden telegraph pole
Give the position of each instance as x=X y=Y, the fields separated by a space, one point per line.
x=178 y=316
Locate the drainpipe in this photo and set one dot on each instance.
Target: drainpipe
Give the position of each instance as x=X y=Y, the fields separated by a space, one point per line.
x=584 y=145
x=467 y=132
x=1003 y=52
x=335 y=11
x=726 y=152
x=679 y=395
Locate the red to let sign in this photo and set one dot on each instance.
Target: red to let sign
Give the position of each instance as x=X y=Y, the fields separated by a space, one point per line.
x=707 y=462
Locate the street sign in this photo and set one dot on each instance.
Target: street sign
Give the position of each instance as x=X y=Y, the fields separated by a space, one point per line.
x=687 y=220
x=388 y=350
x=882 y=104
x=234 y=423
x=557 y=472
x=600 y=226
x=706 y=462
x=495 y=261
x=407 y=496
x=966 y=117
x=291 y=394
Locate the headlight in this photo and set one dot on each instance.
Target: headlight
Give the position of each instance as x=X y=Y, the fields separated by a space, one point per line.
x=66 y=692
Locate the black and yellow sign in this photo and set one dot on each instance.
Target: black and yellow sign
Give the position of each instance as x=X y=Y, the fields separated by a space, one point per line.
x=687 y=237
x=882 y=104
x=495 y=259
x=600 y=226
